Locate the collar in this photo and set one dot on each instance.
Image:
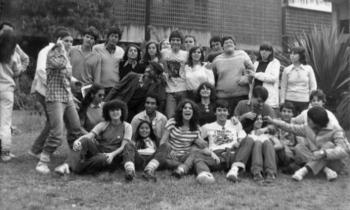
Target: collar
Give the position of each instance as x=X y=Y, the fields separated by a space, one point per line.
x=301 y=67
x=111 y=52
x=95 y=106
x=133 y=64
x=145 y=116
x=93 y=52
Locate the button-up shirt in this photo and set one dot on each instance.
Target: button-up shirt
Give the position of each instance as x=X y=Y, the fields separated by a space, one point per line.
x=158 y=122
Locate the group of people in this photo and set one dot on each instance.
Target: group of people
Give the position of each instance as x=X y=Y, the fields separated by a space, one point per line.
x=174 y=109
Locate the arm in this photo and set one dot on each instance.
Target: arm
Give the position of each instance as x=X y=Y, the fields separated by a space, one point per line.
x=16 y=66
x=97 y=74
x=274 y=74
x=210 y=75
x=82 y=123
x=57 y=60
x=341 y=149
x=299 y=130
x=277 y=145
x=23 y=57
x=165 y=136
x=134 y=124
x=215 y=73
x=300 y=119
x=284 y=83
x=312 y=80
x=118 y=86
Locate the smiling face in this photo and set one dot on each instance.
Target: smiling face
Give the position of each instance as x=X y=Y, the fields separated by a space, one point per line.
x=258 y=122
x=316 y=102
x=187 y=112
x=67 y=42
x=88 y=40
x=286 y=114
x=115 y=114
x=196 y=55
x=221 y=114
x=257 y=103
x=229 y=46
x=152 y=49
x=150 y=105
x=132 y=53
x=98 y=97
x=205 y=92
x=189 y=43
x=144 y=130
x=175 y=43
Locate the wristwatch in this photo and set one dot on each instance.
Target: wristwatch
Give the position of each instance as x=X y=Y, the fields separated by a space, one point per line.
x=323 y=153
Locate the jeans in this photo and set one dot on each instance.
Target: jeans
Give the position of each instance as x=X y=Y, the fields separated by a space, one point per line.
x=60 y=114
x=305 y=155
x=238 y=159
x=299 y=106
x=39 y=142
x=233 y=101
x=130 y=154
x=6 y=105
x=90 y=159
x=263 y=157
x=172 y=100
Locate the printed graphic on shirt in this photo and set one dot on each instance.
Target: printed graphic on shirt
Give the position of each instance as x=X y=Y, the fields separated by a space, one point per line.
x=174 y=67
x=220 y=137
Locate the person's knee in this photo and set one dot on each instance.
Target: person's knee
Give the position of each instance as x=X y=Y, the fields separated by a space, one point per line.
x=267 y=144
x=258 y=144
x=128 y=146
x=99 y=159
x=249 y=141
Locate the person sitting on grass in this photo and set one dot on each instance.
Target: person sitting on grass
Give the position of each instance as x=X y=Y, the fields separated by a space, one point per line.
x=144 y=148
x=91 y=155
x=264 y=152
x=326 y=148
x=224 y=135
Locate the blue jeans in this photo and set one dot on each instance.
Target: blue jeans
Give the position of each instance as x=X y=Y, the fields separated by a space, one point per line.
x=172 y=100
x=60 y=114
x=263 y=157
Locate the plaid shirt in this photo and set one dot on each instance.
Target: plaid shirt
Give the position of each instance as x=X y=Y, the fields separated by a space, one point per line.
x=59 y=72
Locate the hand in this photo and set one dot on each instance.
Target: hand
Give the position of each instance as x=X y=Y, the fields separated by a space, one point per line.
x=201 y=143
x=317 y=155
x=234 y=120
x=77 y=145
x=249 y=115
x=60 y=44
x=268 y=119
x=215 y=157
x=260 y=131
x=236 y=145
x=250 y=73
x=78 y=84
x=243 y=80
x=110 y=157
x=208 y=65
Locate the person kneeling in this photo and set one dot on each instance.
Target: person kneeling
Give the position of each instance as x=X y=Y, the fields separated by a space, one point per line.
x=100 y=149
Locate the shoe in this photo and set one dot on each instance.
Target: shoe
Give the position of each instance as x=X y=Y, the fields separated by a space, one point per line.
x=62 y=169
x=36 y=156
x=257 y=177
x=178 y=173
x=44 y=157
x=42 y=168
x=205 y=178
x=270 y=177
x=12 y=155
x=5 y=155
x=149 y=175
x=299 y=174
x=331 y=175
x=232 y=175
x=57 y=154
x=129 y=175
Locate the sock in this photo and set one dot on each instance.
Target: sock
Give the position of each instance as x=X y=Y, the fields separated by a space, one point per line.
x=327 y=170
x=152 y=165
x=303 y=170
x=129 y=166
x=234 y=169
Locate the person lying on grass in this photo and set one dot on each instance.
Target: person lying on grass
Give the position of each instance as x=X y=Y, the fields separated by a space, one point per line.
x=105 y=154
x=264 y=158
x=223 y=136
x=144 y=148
x=326 y=148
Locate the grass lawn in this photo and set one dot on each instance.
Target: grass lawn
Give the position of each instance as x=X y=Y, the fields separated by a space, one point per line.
x=21 y=187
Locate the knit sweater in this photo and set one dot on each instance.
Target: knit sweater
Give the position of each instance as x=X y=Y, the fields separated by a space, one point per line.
x=228 y=71
x=110 y=64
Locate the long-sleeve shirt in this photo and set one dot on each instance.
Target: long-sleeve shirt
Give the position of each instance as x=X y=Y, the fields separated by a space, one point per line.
x=110 y=64
x=197 y=75
x=229 y=70
x=8 y=71
x=297 y=83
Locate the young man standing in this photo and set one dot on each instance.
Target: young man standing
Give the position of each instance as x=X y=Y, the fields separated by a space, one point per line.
x=216 y=49
x=86 y=63
x=111 y=55
x=150 y=114
x=190 y=41
x=133 y=88
x=230 y=71
x=176 y=82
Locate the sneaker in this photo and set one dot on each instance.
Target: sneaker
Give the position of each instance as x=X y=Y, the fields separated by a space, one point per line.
x=232 y=176
x=299 y=174
x=205 y=178
x=129 y=175
x=257 y=177
x=44 y=157
x=57 y=154
x=331 y=175
x=270 y=177
x=42 y=168
x=36 y=156
x=5 y=155
x=62 y=169
x=178 y=173
x=149 y=175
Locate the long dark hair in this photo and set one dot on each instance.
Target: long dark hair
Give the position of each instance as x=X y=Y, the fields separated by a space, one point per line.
x=248 y=124
x=147 y=57
x=302 y=54
x=178 y=115
x=8 y=42
x=125 y=56
x=198 y=97
x=140 y=144
x=192 y=50
x=88 y=99
x=268 y=47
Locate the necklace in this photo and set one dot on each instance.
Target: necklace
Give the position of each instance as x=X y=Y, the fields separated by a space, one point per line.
x=206 y=106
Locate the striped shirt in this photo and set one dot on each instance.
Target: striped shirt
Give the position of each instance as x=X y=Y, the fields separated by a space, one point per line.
x=59 y=72
x=180 y=140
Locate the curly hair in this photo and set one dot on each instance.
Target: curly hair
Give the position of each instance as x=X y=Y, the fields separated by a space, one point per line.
x=115 y=105
x=140 y=144
x=192 y=50
x=125 y=56
x=147 y=57
x=302 y=54
x=319 y=94
x=85 y=103
x=213 y=95
x=178 y=114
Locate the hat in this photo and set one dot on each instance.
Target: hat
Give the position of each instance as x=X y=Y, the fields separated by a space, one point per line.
x=157 y=67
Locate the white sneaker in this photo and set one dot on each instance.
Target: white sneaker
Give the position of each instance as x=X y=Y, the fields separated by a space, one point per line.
x=42 y=168
x=205 y=178
x=331 y=175
x=232 y=175
x=36 y=156
x=62 y=169
x=44 y=157
x=299 y=174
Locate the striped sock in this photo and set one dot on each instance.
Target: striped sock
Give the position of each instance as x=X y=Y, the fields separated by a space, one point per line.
x=152 y=165
x=129 y=166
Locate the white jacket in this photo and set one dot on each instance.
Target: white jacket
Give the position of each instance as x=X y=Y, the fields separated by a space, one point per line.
x=270 y=81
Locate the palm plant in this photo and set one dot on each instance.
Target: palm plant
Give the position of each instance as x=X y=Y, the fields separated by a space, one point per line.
x=328 y=53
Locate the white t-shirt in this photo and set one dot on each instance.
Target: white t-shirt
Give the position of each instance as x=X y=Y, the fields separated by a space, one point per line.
x=221 y=137
x=197 y=75
x=176 y=80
